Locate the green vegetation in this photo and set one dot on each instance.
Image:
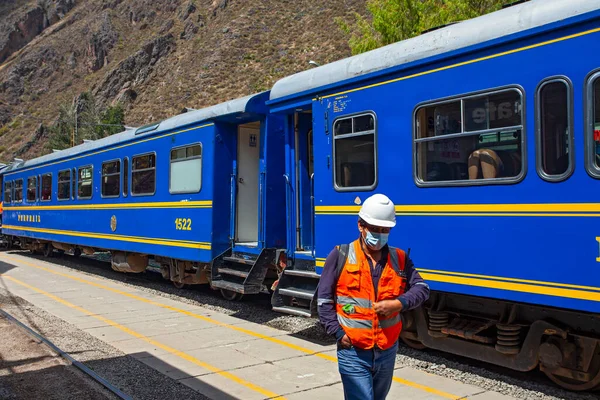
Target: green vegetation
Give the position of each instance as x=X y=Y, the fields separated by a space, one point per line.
x=92 y=123
x=395 y=20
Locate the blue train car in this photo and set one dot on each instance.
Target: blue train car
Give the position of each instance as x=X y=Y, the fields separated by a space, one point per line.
x=3 y=241
x=185 y=191
x=486 y=135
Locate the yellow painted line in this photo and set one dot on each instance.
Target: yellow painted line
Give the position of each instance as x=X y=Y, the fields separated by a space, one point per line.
x=153 y=342
x=120 y=238
x=481 y=210
x=487 y=281
x=501 y=278
x=109 y=149
x=166 y=204
x=475 y=214
x=478 y=208
x=514 y=287
x=461 y=64
x=233 y=327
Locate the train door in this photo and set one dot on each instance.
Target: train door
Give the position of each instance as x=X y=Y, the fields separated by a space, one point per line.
x=304 y=182
x=248 y=157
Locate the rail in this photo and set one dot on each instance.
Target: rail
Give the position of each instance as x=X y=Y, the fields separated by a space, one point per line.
x=66 y=356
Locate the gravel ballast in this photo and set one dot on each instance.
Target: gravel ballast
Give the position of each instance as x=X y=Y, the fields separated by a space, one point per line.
x=256 y=309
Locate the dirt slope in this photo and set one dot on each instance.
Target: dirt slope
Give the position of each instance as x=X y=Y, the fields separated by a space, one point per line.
x=154 y=56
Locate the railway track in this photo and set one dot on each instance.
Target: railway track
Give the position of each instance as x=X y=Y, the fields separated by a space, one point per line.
x=70 y=360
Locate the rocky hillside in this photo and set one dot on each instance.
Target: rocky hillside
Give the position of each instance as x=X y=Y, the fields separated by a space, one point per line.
x=154 y=56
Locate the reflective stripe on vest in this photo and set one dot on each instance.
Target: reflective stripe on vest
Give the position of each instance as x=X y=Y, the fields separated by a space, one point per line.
x=355 y=323
x=388 y=323
x=364 y=303
x=355 y=296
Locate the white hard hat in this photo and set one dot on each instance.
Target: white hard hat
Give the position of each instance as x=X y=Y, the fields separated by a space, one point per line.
x=378 y=210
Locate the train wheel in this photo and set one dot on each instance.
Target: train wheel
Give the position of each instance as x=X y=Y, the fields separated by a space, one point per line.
x=569 y=384
x=48 y=250
x=230 y=295
x=593 y=383
x=178 y=285
x=77 y=252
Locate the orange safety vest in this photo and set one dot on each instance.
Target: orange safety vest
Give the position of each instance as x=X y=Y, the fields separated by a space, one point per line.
x=355 y=296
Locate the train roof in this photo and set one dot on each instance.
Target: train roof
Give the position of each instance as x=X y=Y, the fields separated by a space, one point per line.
x=507 y=21
x=245 y=104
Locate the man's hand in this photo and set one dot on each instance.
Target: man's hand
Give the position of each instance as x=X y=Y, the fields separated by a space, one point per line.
x=345 y=341
x=387 y=307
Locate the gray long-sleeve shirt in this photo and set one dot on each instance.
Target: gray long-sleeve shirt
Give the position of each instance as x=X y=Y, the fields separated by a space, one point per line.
x=416 y=291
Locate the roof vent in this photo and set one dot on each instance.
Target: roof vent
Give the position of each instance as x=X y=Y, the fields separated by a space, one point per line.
x=147 y=128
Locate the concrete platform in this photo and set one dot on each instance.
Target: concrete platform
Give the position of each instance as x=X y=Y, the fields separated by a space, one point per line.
x=220 y=356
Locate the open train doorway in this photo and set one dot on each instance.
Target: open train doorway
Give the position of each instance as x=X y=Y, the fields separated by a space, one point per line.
x=304 y=182
x=248 y=163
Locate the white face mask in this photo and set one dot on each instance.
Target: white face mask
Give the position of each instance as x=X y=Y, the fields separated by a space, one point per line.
x=376 y=241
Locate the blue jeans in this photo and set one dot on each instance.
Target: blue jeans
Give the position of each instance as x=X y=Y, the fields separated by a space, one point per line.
x=366 y=374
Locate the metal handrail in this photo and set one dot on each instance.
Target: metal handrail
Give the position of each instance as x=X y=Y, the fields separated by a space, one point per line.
x=232 y=209
x=312 y=212
x=261 y=182
x=288 y=188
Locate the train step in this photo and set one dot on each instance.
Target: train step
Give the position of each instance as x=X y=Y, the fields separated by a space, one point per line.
x=303 y=274
x=293 y=311
x=238 y=260
x=234 y=272
x=296 y=292
x=236 y=287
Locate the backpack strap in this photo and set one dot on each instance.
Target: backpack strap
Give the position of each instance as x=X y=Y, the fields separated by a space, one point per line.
x=395 y=256
x=341 y=260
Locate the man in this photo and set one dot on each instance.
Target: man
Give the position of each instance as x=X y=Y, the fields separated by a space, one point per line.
x=360 y=301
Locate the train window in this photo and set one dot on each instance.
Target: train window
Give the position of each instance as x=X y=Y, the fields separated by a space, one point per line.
x=32 y=189
x=111 y=178
x=596 y=119
x=474 y=139
x=64 y=184
x=7 y=192
x=185 y=174
x=46 y=194
x=125 y=176
x=593 y=126
x=18 y=195
x=85 y=182
x=73 y=184
x=354 y=153
x=554 y=127
x=143 y=174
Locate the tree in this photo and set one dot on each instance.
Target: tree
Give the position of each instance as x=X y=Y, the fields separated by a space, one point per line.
x=395 y=20
x=92 y=123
